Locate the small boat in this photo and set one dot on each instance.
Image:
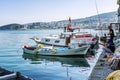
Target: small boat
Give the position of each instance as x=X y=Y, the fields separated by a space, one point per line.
x=56 y=51
x=10 y=75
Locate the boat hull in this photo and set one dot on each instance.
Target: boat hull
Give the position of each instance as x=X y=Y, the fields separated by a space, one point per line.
x=64 y=52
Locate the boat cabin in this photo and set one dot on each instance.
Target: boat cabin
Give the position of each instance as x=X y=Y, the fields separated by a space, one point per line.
x=63 y=40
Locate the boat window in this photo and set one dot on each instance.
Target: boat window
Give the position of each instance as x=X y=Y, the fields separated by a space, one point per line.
x=57 y=41
x=47 y=40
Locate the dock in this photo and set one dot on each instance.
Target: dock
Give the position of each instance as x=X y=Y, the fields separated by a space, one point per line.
x=101 y=70
x=10 y=75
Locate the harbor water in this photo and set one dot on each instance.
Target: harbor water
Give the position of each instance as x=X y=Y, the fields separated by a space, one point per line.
x=41 y=67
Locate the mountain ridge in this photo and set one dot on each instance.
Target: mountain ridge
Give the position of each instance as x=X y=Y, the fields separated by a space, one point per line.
x=91 y=21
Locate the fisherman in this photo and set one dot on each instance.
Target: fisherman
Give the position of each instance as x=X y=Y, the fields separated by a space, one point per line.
x=109 y=47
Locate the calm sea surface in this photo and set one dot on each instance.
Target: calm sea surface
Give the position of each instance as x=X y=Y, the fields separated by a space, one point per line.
x=40 y=67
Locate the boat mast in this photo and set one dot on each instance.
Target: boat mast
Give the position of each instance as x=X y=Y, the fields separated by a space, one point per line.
x=99 y=21
x=97 y=13
x=69 y=24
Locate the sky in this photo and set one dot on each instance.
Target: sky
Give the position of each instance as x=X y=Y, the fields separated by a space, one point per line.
x=27 y=11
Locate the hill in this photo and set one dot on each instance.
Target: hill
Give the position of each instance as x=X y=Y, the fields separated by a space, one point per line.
x=88 y=22
x=11 y=27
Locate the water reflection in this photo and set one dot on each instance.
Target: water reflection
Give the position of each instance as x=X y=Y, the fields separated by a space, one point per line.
x=65 y=61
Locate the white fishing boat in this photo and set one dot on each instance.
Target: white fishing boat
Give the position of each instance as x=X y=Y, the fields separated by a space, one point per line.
x=56 y=51
x=69 y=36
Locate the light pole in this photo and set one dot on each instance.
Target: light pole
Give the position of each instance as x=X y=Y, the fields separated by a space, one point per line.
x=118 y=2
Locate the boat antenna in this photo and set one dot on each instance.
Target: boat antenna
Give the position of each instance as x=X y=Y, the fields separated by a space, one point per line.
x=98 y=15
x=69 y=20
x=68 y=25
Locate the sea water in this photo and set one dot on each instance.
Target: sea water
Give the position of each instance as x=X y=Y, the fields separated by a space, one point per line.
x=40 y=67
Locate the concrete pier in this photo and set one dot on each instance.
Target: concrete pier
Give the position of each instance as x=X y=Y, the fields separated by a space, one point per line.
x=101 y=69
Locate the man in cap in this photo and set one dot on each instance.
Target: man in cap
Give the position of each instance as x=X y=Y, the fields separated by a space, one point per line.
x=109 y=47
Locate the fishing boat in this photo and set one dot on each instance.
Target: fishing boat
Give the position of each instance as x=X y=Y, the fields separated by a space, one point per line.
x=56 y=51
x=69 y=36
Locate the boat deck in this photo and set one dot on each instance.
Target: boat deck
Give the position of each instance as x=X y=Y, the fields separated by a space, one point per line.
x=101 y=69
